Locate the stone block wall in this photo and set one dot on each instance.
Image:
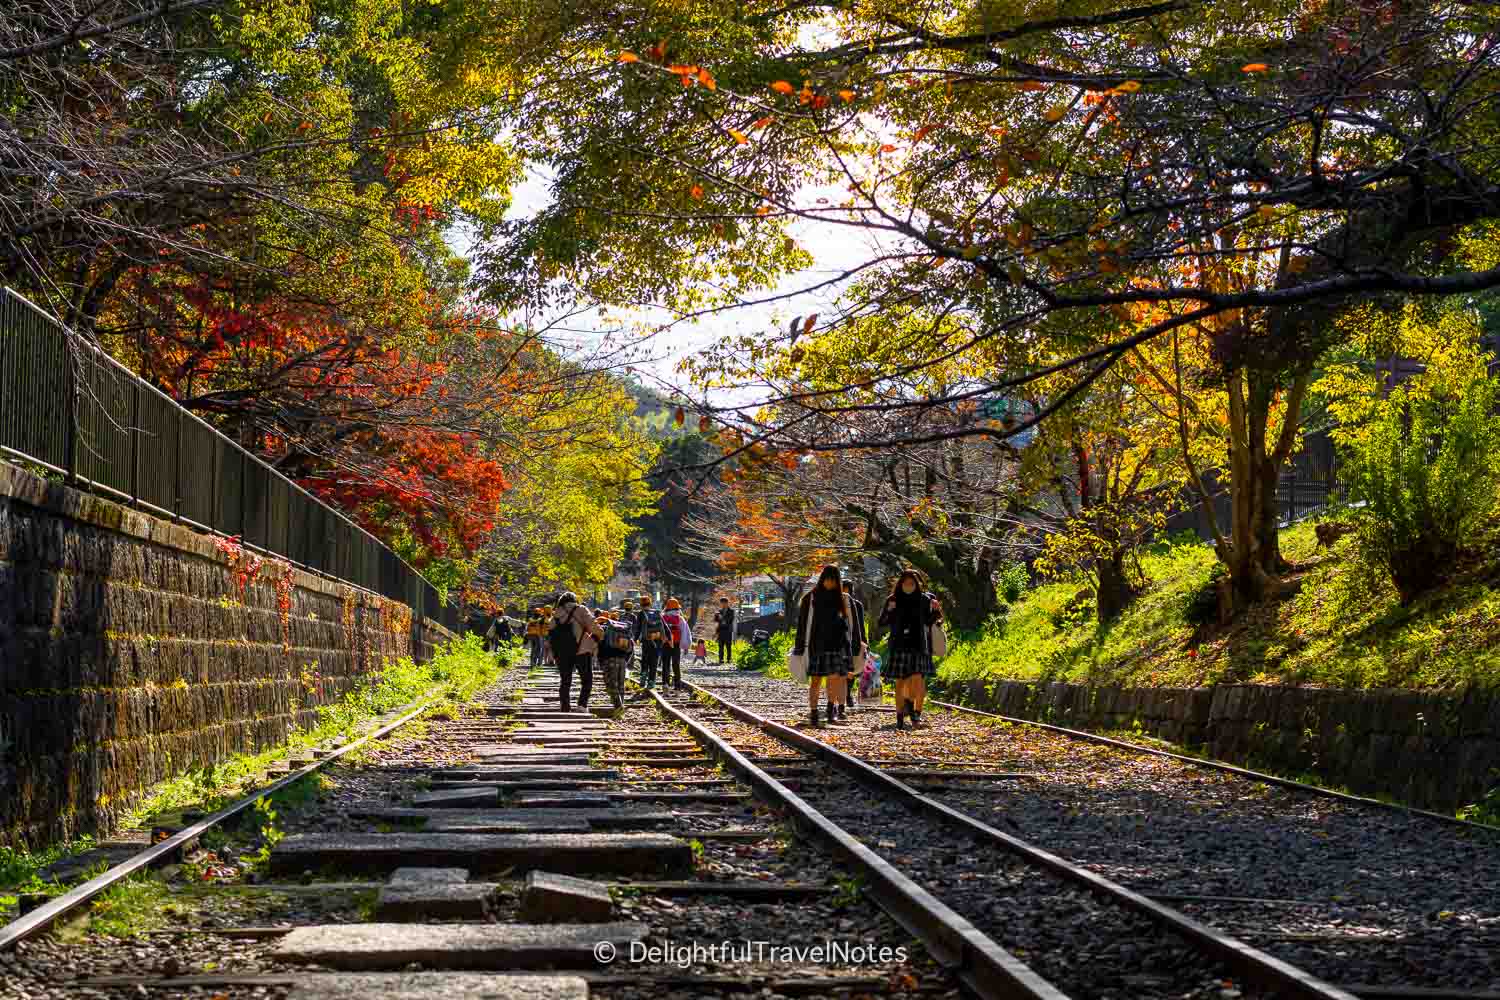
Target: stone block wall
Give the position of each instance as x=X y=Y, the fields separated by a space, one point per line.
x=1434 y=750
x=130 y=654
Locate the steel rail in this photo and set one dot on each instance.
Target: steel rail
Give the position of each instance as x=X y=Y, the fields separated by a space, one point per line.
x=982 y=965
x=161 y=853
x=1218 y=765
x=1250 y=962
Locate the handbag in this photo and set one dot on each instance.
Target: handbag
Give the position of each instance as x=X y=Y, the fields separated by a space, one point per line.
x=937 y=639
x=796 y=663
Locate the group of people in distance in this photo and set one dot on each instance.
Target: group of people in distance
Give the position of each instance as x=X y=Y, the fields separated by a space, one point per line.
x=578 y=639
x=832 y=634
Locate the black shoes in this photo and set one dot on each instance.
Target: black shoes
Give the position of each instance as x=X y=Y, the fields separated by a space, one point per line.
x=813 y=716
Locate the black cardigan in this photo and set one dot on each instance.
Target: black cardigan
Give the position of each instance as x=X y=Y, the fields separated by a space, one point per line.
x=928 y=617
x=819 y=643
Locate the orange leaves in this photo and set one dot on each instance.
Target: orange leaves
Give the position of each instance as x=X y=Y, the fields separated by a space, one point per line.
x=707 y=79
x=658 y=52
x=924 y=132
x=887 y=148
x=1254 y=68
x=763 y=211
x=782 y=87
x=629 y=57
x=705 y=425
x=696 y=192
x=679 y=417
x=761 y=123
x=809 y=323
x=1054 y=114
x=847 y=96
x=1032 y=86
x=738 y=136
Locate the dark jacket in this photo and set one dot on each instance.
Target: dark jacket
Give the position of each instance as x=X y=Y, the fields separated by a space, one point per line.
x=724 y=622
x=860 y=635
x=909 y=620
x=830 y=633
x=639 y=631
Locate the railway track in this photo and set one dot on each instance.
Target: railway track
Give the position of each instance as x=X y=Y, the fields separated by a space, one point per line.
x=510 y=851
x=490 y=852
x=1381 y=902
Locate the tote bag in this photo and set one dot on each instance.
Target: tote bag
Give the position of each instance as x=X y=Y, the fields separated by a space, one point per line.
x=796 y=663
x=937 y=639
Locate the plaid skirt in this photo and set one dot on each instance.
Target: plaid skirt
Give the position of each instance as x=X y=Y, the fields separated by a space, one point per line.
x=904 y=663
x=834 y=664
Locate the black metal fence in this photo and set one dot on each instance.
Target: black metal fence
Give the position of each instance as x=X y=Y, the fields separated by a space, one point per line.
x=1310 y=482
x=86 y=418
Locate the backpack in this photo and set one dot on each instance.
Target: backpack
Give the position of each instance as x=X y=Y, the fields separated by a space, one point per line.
x=617 y=641
x=652 y=627
x=674 y=622
x=564 y=642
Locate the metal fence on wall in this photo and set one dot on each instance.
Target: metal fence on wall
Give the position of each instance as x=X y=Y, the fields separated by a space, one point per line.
x=101 y=428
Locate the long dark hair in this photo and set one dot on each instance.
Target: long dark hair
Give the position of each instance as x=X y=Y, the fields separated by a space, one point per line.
x=916 y=577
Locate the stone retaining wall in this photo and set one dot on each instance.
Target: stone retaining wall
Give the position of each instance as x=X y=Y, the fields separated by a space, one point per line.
x=1436 y=751
x=129 y=654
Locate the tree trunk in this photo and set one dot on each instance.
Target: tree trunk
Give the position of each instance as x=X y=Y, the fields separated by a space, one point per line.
x=1252 y=550
x=1113 y=591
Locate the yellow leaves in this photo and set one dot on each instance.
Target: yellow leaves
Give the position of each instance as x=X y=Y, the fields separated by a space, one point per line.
x=629 y=57
x=1254 y=68
x=1054 y=114
x=847 y=96
x=696 y=192
x=1128 y=87
x=782 y=87
x=738 y=136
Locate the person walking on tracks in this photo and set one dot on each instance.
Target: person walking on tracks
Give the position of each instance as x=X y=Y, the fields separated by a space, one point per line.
x=573 y=637
x=615 y=651
x=535 y=626
x=651 y=635
x=909 y=613
x=671 y=653
x=859 y=646
x=724 y=631
x=825 y=633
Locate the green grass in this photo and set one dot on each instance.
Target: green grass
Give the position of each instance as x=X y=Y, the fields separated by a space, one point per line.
x=129 y=907
x=1338 y=624
x=771 y=658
